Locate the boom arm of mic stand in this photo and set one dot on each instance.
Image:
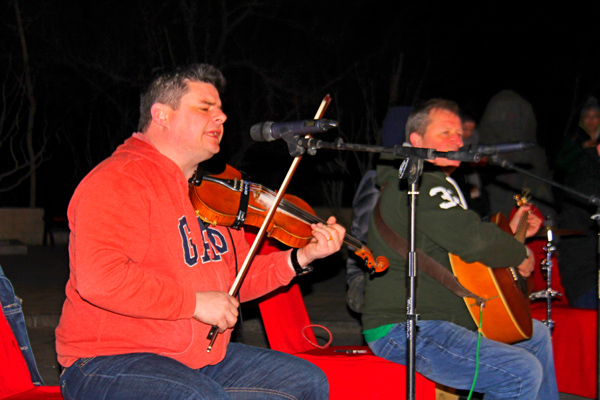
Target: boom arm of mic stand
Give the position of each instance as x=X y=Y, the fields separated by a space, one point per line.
x=401 y=152
x=506 y=164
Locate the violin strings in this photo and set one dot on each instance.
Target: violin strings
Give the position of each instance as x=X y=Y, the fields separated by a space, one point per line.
x=298 y=212
x=290 y=207
x=303 y=214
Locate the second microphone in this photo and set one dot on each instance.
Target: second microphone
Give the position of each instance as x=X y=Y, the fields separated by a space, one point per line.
x=269 y=131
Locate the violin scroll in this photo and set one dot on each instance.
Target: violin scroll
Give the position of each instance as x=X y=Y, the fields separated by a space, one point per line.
x=379 y=264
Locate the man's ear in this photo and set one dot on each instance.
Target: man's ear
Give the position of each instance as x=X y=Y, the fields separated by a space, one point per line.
x=160 y=113
x=416 y=140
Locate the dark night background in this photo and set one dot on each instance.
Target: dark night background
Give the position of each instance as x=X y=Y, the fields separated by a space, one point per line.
x=88 y=59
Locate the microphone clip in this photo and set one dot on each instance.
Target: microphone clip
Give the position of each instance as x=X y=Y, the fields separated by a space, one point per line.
x=294 y=147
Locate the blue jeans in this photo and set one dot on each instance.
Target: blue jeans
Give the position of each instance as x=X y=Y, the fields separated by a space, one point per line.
x=246 y=372
x=11 y=307
x=445 y=353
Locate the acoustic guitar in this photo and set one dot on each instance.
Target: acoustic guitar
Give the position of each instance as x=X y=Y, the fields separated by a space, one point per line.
x=507 y=314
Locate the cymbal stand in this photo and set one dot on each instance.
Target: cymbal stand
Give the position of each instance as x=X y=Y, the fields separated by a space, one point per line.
x=547 y=293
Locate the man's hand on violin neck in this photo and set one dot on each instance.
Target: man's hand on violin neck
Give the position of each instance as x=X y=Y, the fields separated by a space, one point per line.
x=216 y=308
x=327 y=239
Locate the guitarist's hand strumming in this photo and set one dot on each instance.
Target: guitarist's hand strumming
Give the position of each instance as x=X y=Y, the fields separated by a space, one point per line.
x=528 y=264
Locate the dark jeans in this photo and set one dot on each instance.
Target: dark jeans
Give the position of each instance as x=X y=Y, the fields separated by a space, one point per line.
x=11 y=307
x=245 y=373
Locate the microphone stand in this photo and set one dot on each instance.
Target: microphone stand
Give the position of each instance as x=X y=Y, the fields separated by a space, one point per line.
x=411 y=169
x=597 y=218
x=505 y=164
x=235 y=287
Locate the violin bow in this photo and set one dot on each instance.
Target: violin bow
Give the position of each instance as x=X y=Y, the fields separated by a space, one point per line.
x=212 y=335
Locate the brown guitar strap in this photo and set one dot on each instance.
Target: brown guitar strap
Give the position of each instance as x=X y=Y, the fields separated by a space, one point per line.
x=424 y=262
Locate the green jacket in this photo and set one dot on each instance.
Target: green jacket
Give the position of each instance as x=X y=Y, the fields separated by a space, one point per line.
x=443 y=226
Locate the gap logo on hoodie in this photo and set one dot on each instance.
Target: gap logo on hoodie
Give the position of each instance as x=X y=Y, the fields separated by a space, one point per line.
x=213 y=242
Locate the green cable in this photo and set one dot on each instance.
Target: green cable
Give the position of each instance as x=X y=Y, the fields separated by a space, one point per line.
x=477 y=353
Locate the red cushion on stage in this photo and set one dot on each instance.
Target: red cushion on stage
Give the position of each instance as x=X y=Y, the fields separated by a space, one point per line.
x=14 y=375
x=38 y=393
x=365 y=376
x=15 y=381
x=575 y=345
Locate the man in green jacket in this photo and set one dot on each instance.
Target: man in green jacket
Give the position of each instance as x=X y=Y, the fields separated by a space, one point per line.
x=446 y=339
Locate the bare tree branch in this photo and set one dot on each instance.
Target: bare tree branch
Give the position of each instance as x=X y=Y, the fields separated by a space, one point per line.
x=20 y=153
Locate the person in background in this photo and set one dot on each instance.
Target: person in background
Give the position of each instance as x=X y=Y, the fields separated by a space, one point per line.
x=577 y=166
x=470 y=134
x=468 y=175
x=578 y=253
x=508 y=118
x=584 y=137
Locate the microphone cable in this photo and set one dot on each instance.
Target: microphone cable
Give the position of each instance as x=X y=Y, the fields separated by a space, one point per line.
x=477 y=351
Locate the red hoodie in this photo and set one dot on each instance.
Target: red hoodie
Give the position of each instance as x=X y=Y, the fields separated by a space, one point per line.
x=138 y=254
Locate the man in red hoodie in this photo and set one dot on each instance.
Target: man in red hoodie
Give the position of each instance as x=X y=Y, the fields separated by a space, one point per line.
x=148 y=280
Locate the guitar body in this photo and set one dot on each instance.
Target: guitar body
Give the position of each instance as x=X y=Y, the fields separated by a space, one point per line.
x=507 y=314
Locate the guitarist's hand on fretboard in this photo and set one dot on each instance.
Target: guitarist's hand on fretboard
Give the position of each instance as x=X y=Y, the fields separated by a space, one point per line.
x=533 y=221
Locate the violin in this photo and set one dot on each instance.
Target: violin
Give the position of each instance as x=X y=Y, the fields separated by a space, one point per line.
x=229 y=200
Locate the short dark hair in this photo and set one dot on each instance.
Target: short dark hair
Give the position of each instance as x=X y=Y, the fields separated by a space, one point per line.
x=591 y=104
x=169 y=87
x=419 y=119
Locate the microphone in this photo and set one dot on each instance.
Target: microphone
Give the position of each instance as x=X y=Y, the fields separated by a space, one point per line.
x=498 y=148
x=269 y=131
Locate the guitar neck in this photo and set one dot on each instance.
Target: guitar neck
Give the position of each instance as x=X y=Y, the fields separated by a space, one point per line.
x=521 y=231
